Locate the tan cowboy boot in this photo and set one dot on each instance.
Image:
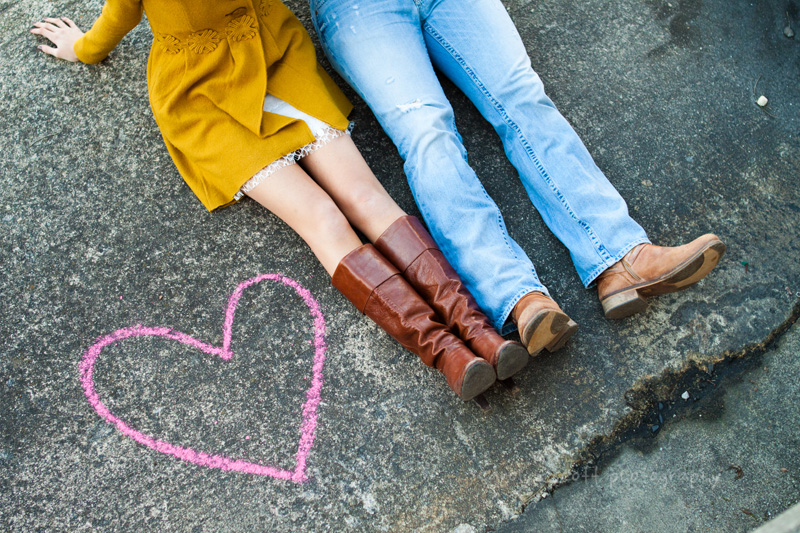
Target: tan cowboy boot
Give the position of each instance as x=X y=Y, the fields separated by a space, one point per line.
x=378 y=290
x=541 y=323
x=649 y=270
x=409 y=246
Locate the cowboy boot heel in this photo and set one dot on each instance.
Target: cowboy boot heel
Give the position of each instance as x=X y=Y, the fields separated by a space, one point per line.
x=623 y=304
x=548 y=329
x=542 y=324
x=562 y=338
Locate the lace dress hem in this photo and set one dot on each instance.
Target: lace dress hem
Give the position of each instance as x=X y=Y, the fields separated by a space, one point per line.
x=324 y=137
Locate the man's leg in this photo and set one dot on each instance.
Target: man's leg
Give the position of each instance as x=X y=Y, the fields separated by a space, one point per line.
x=379 y=48
x=475 y=43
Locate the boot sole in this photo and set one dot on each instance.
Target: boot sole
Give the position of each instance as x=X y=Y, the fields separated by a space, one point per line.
x=548 y=330
x=512 y=358
x=478 y=377
x=632 y=300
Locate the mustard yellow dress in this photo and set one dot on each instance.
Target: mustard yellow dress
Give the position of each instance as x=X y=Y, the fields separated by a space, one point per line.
x=211 y=65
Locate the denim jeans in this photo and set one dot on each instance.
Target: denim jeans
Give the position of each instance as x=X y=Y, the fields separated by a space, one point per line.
x=387 y=51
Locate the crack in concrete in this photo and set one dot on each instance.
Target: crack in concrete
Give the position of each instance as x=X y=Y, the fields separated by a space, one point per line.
x=652 y=399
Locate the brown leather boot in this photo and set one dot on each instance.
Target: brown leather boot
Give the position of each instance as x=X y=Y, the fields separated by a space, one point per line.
x=541 y=323
x=378 y=290
x=650 y=270
x=408 y=245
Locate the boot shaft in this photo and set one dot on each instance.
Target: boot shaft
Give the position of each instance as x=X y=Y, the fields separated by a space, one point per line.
x=377 y=289
x=408 y=245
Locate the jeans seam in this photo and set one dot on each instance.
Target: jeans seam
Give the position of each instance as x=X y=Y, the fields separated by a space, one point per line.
x=598 y=246
x=499 y=219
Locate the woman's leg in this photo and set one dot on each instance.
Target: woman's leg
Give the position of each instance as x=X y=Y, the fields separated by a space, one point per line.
x=341 y=171
x=296 y=199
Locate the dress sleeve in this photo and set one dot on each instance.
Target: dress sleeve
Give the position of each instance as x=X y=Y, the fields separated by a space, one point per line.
x=118 y=18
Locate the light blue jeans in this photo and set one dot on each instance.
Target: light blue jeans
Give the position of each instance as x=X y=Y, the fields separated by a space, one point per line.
x=387 y=51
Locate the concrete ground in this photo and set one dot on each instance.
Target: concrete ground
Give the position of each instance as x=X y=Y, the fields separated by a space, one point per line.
x=100 y=240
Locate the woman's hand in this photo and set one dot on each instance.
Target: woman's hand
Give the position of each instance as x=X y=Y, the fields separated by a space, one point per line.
x=63 y=33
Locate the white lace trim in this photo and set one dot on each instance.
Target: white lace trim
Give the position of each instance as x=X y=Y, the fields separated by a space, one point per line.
x=323 y=137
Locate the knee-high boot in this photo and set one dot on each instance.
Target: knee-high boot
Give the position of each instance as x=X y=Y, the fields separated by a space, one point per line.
x=378 y=290
x=409 y=246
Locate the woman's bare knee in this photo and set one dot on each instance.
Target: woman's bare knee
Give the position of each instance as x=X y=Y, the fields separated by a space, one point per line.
x=341 y=171
x=328 y=221
x=300 y=202
x=367 y=207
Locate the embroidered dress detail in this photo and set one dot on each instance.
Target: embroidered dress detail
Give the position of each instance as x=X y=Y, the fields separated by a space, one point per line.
x=170 y=44
x=203 y=41
x=259 y=177
x=264 y=7
x=238 y=12
x=242 y=28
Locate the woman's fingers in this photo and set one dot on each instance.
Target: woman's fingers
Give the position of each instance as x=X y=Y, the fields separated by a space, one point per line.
x=58 y=22
x=43 y=28
x=52 y=25
x=48 y=50
x=63 y=33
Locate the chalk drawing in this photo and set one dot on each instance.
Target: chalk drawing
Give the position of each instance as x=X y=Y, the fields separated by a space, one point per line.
x=308 y=423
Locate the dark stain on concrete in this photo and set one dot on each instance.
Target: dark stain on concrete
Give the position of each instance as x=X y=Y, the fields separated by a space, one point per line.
x=678 y=16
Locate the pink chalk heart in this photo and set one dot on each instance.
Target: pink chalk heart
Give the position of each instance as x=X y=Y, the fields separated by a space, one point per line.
x=309 y=417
